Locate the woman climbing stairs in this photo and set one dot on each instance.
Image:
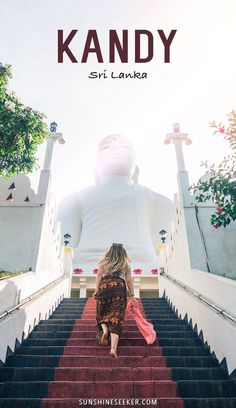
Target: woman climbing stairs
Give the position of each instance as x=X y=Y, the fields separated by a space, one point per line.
x=61 y=364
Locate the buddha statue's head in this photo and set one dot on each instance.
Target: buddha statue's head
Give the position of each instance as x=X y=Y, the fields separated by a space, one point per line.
x=116 y=156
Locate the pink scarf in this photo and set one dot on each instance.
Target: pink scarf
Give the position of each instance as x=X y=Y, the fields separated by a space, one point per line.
x=145 y=328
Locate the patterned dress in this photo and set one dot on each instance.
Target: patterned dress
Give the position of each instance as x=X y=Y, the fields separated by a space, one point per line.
x=111 y=302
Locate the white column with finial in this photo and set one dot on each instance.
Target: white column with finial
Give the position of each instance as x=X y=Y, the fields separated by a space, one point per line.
x=45 y=175
x=177 y=138
x=197 y=253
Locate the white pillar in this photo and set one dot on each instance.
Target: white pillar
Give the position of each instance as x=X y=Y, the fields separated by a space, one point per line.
x=83 y=287
x=177 y=138
x=196 y=248
x=45 y=175
x=52 y=137
x=179 y=154
x=48 y=154
x=161 y=250
x=67 y=265
x=136 y=287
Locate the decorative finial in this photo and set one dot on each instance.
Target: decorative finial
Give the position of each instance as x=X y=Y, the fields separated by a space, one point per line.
x=67 y=238
x=162 y=233
x=177 y=136
x=53 y=127
x=176 y=127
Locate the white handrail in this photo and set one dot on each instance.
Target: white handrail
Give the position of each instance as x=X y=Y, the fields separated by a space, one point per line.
x=35 y=295
x=197 y=295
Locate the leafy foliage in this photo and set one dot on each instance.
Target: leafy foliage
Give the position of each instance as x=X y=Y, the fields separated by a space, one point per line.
x=22 y=129
x=221 y=185
x=4 y=275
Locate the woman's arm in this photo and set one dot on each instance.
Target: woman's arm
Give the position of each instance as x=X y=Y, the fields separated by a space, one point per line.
x=98 y=278
x=129 y=281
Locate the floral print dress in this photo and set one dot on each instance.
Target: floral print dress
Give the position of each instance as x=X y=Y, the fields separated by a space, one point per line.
x=111 y=302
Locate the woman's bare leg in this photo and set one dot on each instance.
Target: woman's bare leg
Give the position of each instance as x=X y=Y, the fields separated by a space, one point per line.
x=104 y=327
x=114 y=344
x=104 y=338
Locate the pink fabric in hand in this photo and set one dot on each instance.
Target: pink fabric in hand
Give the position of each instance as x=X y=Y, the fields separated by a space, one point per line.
x=145 y=328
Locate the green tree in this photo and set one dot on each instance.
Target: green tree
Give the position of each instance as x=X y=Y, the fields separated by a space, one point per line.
x=22 y=129
x=221 y=185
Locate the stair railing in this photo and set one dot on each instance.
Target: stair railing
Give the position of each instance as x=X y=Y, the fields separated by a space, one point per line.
x=198 y=296
x=35 y=295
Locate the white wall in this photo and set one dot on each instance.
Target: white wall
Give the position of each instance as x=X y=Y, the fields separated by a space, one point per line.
x=29 y=240
x=18 y=238
x=21 y=322
x=19 y=221
x=50 y=251
x=186 y=249
x=29 y=235
x=175 y=256
x=220 y=244
x=218 y=332
x=14 y=290
x=209 y=249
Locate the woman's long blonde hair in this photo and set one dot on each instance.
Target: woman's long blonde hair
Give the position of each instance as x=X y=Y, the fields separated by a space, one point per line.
x=116 y=259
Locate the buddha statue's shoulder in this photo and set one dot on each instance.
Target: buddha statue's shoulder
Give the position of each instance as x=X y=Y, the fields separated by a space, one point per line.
x=77 y=196
x=145 y=189
x=153 y=194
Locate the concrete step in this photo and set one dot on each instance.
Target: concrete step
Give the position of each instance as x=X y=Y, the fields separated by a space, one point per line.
x=19 y=360
x=89 y=351
x=103 y=389
x=207 y=388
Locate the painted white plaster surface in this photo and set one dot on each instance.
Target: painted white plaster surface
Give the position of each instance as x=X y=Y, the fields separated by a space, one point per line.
x=219 y=332
x=14 y=290
x=146 y=268
x=140 y=283
x=175 y=256
x=50 y=252
x=218 y=289
x=30 y=238
x=18 y=238
x=208 y=249
x=21 y=322
x=207 y=245
x=186 y=249
x=220 y=244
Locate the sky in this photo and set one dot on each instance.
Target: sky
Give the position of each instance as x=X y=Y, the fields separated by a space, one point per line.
x=196 y=87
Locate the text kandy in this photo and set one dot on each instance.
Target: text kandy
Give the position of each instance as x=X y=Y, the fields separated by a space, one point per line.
x=116 y=46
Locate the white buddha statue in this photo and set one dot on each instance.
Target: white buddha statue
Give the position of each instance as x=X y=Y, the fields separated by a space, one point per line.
x=116 y=209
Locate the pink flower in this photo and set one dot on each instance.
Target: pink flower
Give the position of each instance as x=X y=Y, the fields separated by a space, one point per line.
x=138 y=271
x=154 y=271
x=219 y=210
x=215 y=226
x=78 y=271
x=95 y=271
x=221 y=129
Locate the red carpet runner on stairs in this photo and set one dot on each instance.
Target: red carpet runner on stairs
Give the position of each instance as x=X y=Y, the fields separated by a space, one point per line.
x=86 y=371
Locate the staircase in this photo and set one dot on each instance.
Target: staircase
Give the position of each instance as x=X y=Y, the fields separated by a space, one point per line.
x=201 y=382
x=61 y=363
